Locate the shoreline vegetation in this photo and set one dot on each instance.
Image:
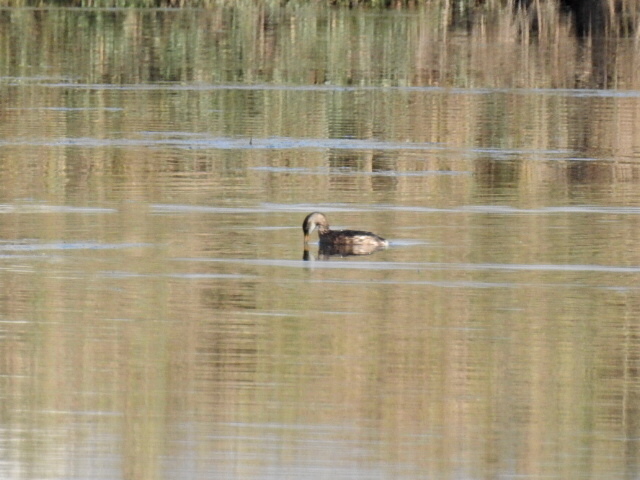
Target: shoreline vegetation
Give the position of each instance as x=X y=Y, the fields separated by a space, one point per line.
x=584 y=17
x=495 y=44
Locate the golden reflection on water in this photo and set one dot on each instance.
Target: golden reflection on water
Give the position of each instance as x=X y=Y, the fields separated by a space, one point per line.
x=426 y=366
x=157 y=318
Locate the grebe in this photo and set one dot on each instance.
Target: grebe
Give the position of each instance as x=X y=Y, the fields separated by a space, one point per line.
x=355 y=241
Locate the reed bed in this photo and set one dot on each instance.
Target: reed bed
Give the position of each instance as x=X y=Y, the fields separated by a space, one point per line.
x=537 y=17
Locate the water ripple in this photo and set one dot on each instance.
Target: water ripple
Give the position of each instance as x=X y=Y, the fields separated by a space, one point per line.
x=35 y=247
x=370 y=265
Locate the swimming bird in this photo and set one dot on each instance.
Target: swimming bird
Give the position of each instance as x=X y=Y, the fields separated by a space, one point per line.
x=351 y=242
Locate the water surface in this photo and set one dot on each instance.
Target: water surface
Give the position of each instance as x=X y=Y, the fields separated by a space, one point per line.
x=158 y=318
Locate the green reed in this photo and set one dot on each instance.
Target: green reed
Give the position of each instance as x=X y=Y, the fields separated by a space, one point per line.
x=589 y=17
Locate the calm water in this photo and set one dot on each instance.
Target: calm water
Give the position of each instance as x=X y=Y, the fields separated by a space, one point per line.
x=157 y=319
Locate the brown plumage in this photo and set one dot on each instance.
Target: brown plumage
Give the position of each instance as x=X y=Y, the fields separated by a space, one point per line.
x=358 y=242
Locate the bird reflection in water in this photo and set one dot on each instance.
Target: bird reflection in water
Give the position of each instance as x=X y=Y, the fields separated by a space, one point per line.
x=339 y=243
